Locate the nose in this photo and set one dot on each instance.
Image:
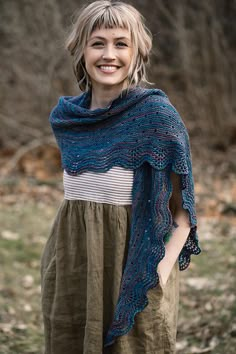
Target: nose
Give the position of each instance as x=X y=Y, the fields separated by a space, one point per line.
x=108 y=53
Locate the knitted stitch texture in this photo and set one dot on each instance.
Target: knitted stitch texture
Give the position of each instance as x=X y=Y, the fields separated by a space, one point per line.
x=140 y=130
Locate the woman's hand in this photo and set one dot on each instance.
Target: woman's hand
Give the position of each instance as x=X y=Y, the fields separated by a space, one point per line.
x=173 y=249
x=179 y=234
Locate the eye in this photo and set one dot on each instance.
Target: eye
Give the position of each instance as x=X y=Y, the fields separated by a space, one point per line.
x=97 y=44
x=121 y=44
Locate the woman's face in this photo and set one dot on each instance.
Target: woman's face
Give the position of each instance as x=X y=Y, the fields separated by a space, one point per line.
x=108 y=56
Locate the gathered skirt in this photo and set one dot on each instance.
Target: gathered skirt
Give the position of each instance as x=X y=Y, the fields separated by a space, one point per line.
x=81 y=270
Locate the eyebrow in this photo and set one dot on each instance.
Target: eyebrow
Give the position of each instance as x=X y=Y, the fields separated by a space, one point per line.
x=103 y=38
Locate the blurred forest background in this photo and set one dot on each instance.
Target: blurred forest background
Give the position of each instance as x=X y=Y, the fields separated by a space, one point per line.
x=193 y=61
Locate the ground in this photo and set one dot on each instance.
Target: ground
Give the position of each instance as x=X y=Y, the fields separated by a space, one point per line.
x=207 y=316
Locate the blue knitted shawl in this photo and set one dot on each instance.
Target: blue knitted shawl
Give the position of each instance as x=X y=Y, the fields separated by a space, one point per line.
x=140 y=130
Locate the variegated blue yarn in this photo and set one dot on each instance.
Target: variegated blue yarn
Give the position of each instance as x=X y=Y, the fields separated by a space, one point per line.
x=140 y=130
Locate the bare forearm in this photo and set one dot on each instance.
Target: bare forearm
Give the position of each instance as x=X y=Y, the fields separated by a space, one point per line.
x=173 y=249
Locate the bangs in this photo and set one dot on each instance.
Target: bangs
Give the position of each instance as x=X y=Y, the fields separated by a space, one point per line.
x=109 y=18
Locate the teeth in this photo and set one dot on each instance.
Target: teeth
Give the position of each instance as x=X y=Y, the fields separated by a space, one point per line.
x=108 y=68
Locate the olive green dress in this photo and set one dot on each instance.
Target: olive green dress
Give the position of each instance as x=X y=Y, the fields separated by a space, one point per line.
x=81 y=269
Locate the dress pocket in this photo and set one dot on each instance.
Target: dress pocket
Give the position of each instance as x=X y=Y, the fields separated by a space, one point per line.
x=170 y=277
x=48 y=252
x=48 y=287
x=51 y=267
x=161 y=283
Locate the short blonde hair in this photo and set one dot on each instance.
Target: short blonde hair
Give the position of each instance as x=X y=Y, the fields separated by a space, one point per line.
x=110 y=14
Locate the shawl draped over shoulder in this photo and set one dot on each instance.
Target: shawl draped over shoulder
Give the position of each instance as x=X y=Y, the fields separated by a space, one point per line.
x=140 y=130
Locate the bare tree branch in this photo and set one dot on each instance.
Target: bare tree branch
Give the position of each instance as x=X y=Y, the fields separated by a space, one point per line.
x=11 y=165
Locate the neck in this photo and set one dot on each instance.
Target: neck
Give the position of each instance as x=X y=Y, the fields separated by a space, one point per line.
x=102 y=97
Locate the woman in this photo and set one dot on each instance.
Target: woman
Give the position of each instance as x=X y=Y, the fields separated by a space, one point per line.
x=127 y=223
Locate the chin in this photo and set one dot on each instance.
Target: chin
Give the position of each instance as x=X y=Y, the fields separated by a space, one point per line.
x=112 y=83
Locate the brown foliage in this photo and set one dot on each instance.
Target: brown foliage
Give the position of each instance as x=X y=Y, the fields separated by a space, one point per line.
x=193 y=61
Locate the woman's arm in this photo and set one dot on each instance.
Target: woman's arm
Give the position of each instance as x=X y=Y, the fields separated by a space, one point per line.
x=179 y=235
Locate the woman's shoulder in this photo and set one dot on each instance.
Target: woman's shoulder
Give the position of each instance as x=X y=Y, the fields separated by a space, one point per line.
x=77 y=99
x=163 y=113
x=157 y=98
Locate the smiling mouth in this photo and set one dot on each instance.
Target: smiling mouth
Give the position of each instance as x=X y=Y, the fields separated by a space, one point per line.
x=108 y=68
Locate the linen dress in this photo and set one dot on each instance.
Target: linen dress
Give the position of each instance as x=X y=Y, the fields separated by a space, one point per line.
x=81 y=270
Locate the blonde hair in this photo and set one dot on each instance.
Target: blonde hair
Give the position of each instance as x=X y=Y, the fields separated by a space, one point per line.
x=110 y=14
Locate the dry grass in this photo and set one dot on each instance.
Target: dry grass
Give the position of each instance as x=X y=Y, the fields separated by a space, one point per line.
x=207 y=319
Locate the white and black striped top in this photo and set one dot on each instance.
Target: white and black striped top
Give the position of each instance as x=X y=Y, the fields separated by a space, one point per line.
x=112 y=187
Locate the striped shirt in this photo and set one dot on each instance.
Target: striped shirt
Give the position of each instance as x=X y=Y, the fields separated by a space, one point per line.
x=112 y=187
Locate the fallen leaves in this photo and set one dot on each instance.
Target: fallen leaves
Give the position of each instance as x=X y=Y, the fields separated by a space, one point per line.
x=200 y=283
x=206 y=319
x=27 y=281
x=9 y=235
x=13 y=325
